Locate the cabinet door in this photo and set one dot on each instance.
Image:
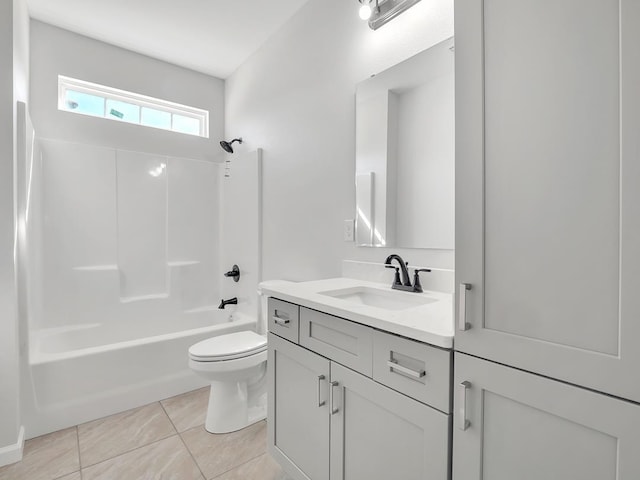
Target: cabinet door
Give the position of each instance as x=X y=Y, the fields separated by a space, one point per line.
x=526 y=427
x=298 y=414
x=548 y=187
x=379 y=434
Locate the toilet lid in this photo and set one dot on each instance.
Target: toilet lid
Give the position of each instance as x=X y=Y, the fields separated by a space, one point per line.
x=229 y=346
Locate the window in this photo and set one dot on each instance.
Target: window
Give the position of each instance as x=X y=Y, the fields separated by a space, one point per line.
x=78 y=96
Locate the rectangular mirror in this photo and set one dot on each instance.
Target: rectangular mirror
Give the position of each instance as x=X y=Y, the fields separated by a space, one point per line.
x=405 y=153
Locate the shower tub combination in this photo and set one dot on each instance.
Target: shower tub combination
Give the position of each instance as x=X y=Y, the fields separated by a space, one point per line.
x=125 y=275
x=90 y=371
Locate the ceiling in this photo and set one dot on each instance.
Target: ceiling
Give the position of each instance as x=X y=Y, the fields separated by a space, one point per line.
x=210 y=36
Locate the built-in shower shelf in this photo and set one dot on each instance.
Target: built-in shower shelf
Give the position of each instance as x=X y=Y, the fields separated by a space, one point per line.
x=138 y=298
x=96 y=268
x=183 y=263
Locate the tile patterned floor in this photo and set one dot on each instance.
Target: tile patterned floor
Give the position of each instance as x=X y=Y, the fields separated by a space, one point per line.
x=162 y=441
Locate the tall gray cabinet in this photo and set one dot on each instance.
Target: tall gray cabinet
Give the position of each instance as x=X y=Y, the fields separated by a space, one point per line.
x=511 y=424
x=547 y=239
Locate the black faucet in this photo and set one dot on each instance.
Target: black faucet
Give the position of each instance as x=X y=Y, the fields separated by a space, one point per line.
x=405 y=284
x=224 y=303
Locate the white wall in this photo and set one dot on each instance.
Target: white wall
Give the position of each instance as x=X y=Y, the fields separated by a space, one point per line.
x=55 y=51
x=14 y=25
x=295 y=98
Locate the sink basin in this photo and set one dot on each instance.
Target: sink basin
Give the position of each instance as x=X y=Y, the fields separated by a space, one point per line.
x=373 y=297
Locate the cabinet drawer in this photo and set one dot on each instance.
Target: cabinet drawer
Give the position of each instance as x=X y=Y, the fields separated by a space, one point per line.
x=413 y=368
x=345 y=342
x=283 y=319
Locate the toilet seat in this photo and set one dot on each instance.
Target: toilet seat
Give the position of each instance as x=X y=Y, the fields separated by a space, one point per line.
x=228 y=347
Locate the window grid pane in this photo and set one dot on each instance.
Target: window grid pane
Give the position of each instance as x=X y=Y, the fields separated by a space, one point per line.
x=80 y=102
x=186 y=125
x=77 y=96
x=124 y=111
x=151 y=117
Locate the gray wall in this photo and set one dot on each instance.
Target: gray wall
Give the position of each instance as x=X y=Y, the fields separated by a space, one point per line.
x=295 y=97
x=55 y=51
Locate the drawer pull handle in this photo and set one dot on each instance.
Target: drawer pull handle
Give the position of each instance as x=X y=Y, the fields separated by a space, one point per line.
x=463 y=423
x=407 y=371
x=334 y=408
x=320 y=401
x=281 y=318
x=281 y=321
x=462 y=311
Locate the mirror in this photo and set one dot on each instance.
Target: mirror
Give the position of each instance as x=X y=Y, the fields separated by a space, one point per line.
x=405 y=153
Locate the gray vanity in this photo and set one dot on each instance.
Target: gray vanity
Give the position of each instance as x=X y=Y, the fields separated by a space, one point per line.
x=351 y=400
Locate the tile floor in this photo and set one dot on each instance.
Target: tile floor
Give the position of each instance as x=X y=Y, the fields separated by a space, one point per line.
x=160 y=441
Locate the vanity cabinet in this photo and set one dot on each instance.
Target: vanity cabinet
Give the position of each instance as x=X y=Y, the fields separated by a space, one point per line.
x=509 y=424
x=380 y=434
x=548 y=188
x=329 y=418
x=298 y=409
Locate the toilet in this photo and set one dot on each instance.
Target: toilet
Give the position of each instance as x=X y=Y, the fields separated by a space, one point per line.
x=235 y=364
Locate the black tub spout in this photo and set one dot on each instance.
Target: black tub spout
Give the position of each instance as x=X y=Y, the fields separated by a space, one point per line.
x=224 y=303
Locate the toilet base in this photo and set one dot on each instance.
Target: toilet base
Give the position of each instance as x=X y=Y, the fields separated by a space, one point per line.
x=236 y=405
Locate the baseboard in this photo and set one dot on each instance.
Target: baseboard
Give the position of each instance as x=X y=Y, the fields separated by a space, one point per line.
x=12 y=453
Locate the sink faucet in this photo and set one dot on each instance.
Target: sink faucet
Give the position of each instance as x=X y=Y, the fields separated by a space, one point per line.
x=231 y=301
x=405 y=284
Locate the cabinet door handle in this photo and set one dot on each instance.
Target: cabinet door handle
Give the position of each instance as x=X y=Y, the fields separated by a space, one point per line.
x=334 y=409
x=407 y=371
x=320 y=401
x=462 y=311
x=463 y=423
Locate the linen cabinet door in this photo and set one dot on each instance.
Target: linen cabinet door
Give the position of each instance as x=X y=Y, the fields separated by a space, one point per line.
x=548 y=187
x=509 y=424
x=380 y=434
x=298 y=412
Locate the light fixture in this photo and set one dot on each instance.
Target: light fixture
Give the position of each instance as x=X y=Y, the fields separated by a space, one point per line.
x=384 y=10
x=365 y=9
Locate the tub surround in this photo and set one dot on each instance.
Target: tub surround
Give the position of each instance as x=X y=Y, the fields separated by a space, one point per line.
x=137 y=237
x=430 y=323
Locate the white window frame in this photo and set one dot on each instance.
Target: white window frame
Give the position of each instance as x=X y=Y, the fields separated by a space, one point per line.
x=109 y=93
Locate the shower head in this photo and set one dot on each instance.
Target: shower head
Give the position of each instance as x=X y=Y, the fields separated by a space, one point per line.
x=227 y=145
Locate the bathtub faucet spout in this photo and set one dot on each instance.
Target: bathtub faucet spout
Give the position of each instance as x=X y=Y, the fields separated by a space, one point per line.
x=224 y=303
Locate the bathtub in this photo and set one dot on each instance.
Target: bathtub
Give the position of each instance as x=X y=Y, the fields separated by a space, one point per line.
x=81 y=373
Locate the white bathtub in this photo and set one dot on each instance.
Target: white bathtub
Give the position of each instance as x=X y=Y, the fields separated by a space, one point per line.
x=85 y=372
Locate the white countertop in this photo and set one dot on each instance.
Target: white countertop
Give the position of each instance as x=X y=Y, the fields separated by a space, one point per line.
x=431 y=323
